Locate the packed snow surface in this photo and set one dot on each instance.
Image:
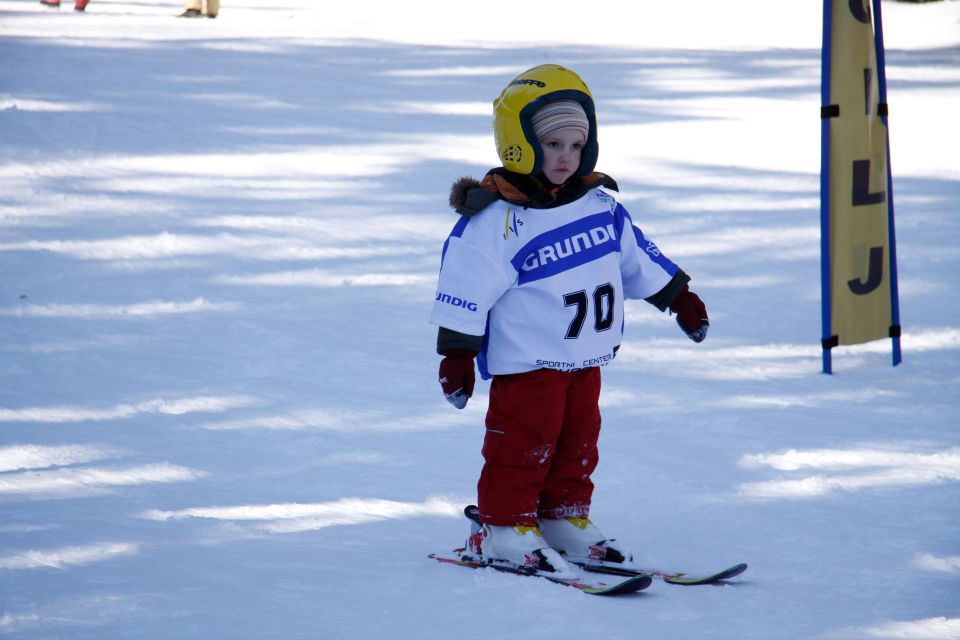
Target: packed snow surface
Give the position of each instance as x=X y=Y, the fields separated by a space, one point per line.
x=219 y=239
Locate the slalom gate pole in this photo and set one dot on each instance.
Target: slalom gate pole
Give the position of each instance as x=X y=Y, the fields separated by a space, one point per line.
x=882 y=81
x=825 y=293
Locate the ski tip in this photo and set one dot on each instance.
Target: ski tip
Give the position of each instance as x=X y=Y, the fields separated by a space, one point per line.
x=630 y=585
x=726 y=574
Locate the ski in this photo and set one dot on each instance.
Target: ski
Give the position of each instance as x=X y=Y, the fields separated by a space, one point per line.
x=677 y=577
x=670 y=577
x=595 y=587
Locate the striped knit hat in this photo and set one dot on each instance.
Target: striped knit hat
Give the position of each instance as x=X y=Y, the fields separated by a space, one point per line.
x=559 y=115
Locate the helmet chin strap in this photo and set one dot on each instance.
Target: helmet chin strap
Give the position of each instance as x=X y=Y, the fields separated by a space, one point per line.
x=547 y=184
x=541 y=179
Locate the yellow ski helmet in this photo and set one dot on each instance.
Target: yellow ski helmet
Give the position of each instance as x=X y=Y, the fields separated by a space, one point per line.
x=513 y=110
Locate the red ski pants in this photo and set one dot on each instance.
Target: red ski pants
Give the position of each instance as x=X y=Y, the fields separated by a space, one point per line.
x=541 y=446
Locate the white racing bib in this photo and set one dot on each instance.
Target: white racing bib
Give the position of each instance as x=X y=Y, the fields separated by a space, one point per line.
x=545 y=287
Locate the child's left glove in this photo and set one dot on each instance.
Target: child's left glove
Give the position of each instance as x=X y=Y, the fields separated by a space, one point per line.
x=457 y=376
x=691 y=314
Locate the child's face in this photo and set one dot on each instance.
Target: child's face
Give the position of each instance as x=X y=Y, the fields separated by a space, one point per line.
x=561 y=153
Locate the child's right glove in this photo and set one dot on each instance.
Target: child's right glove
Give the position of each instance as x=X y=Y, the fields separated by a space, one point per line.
x=691 y=314
x=457 y=377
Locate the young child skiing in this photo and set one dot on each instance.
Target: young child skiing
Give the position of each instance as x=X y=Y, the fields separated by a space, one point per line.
x=532 y=283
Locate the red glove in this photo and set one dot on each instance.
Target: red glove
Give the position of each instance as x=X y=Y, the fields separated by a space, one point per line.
x=691 y=314
x=457 y=377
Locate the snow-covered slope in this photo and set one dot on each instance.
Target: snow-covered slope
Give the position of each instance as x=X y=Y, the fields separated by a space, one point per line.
x=219 y=415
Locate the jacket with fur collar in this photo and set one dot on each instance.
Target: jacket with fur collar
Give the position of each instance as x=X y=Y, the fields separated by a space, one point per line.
x=469 y=196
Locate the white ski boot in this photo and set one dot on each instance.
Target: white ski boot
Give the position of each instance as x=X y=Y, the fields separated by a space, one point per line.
x=581 y=542
x=516 y=547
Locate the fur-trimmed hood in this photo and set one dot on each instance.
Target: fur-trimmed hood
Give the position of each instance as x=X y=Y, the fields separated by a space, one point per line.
x=469 y=196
